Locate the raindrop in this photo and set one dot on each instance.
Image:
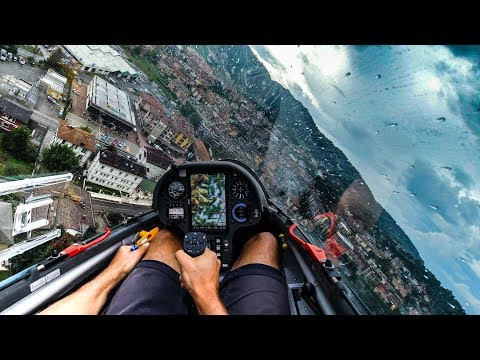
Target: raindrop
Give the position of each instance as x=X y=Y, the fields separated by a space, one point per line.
x=385 y=175
x=396 y=192
x=393 y=124
x=377 y=132
x=379 y=76
x=442 y=119
x=412 y=194
x=433 y=207
x=446 y=168
x=388 y=180
x=412 y=166
x=425 y=276
x=463 y=260
x=348 y=74
x=334 y=102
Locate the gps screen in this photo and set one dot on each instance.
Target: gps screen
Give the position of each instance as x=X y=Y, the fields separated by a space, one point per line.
x=208 y=201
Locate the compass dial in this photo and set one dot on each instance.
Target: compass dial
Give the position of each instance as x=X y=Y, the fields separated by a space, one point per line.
x=240 y=190
x=176 y=190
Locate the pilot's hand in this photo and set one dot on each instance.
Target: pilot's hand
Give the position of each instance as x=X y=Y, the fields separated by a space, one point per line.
x=199 y=275
x=125 y=260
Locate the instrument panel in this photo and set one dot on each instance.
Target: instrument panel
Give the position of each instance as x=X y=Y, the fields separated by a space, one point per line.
x=215 y=198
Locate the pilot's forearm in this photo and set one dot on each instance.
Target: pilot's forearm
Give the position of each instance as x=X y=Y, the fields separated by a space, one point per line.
x=89 y=299
x=209 y=303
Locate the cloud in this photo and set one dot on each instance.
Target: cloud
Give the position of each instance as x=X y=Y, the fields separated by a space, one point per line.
x=475 y=266
x=466 y=292
x=463 y=177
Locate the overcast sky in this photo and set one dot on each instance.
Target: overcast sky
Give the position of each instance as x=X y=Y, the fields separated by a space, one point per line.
x=408 y=118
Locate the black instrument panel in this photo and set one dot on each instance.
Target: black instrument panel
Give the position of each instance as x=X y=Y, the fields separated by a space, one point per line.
x=215 y=198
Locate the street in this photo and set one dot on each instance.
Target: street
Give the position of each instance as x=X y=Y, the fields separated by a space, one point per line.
x=127 y=209
x=44 y=120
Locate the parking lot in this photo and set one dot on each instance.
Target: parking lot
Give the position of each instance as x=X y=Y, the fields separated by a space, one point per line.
x=25 y=72
x=47 y=107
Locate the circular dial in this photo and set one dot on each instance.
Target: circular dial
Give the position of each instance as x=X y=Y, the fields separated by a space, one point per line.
x=240 y=190
x=176 y=189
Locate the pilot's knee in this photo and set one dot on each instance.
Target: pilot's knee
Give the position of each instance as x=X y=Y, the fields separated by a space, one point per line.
x=265 y=239
x=165 y=235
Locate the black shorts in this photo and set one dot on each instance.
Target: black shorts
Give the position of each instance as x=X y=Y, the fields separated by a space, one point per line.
x=153 y=288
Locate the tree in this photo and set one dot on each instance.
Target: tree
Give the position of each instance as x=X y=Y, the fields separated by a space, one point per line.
x=89 y=233
x=60 y=157
x=10 y=48
x=137 y=50
x=114 y=218
x=17 y=143
x=54 y=59
x=86 y=128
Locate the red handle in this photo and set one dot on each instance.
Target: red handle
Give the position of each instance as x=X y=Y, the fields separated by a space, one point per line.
x=315 y=252
x=75 y=249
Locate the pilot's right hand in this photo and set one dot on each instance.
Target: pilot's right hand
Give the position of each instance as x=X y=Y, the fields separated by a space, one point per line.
x=199 y=274
x=200 y=277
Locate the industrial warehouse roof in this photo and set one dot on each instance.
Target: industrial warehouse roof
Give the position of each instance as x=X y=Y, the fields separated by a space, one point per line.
x=101 y=57
x=111 y=100
x=76 y=136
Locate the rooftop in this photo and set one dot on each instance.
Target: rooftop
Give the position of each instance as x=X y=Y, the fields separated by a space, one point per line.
x=158 y=157
x=112 y=100
x=113 y=159
x=202 y=151
x=100 y=57
x=15 y=110
x=76 y=136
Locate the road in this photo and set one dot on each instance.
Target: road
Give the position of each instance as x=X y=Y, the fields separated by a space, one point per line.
x=104 y=205
x=26 y=54
x=45 y=120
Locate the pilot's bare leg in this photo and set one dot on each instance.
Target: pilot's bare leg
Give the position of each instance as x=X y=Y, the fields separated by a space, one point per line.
x=255 y=284
x=163 y=247
x=261 y=248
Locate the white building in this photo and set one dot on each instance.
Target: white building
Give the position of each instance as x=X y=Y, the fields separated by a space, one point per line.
x=80 y=141
x=101 y=59
x=116 y=172
x=12 y=86
x=53 y=83
x=156 y=162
